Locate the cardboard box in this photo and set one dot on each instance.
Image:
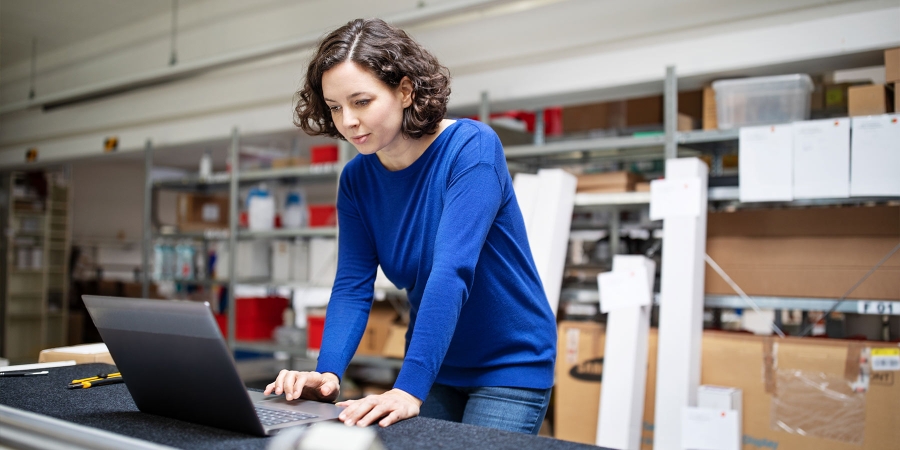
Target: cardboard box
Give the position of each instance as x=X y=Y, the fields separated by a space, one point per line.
x=816 y=252
x=690 y=103
x=892 y=65
x=710 y=119
x=620 y=181
x=836 y=97
x=643 y=186
x=381 y=318
x=395 y=346
x=685 y=122
x=869 y=100
x=293 y=161
x=766 y=160
x=198 y=212
x=583 y=118
x=81 y=354
x=874 y=158
x=773 y=376
x=822 y=158
x=896 y=97
x=644 y=111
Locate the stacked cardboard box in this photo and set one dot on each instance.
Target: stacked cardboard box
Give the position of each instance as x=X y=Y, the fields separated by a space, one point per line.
x=199 y=212
x=631 y=113
x=846 y=411
x=892 y=73
x=607 y=182
x=383 y=335
x=816 y=252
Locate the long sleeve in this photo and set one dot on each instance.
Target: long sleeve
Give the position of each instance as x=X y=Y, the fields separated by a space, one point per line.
x=470 y=205
x=352 y=294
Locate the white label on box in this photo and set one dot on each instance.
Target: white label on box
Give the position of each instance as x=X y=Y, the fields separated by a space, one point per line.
x=623 y=289
x=766 y=163
x=886 y=359
x=210 y=212
x=880 y=308
x=710 y=429
x=822 y=158
x=675 y=198
x=875 y=155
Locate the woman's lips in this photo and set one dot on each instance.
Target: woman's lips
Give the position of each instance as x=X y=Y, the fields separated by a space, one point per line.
x=359 y=140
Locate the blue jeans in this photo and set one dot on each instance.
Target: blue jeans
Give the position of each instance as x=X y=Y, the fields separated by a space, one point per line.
x=512 y=409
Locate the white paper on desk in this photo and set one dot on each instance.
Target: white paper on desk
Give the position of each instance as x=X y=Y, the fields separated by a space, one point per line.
x=822 y=158
x=875 y=156
x=675 y=198
x=86 y=349
x=621 y=289
x=710 y=429
x=766 y=163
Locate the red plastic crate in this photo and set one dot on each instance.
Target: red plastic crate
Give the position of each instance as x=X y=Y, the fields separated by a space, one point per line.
x=256 y=318
x=315 y=326
x=323 y=154
x=322 y=215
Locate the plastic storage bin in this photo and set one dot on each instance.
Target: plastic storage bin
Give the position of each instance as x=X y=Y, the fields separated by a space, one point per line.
x=762 y=100
x=257 y=318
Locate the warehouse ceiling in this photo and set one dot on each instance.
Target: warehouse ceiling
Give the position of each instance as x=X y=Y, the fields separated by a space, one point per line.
x=550 y=25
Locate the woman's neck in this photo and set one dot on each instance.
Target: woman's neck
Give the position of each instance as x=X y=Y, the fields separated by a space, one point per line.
x=401 y=158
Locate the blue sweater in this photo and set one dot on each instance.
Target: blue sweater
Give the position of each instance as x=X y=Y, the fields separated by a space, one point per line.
x=447 y=229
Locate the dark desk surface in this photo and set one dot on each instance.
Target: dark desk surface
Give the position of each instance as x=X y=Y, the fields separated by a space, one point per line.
x=111 y=408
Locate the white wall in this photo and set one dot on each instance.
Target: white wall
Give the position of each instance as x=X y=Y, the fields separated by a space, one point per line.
x=526 y=54
x=108 y=201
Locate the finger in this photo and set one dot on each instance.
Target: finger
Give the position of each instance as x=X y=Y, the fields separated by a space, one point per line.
x=357 y=411
x=379 y=411
x=298 y=385
x=328 y=389
x=287 y=385
x=269 y=388
x=279 y=381
x=390 y=419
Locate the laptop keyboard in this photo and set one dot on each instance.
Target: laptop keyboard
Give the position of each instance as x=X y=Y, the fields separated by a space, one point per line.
x=272 y=417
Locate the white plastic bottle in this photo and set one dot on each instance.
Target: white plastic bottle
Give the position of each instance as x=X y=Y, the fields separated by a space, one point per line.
x=260 y=209
x=295 y=213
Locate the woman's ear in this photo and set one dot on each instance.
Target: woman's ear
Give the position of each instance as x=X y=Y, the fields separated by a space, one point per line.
x=406 y=91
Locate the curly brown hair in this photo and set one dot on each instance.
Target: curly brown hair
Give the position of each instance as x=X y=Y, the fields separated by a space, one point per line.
x=389 y=54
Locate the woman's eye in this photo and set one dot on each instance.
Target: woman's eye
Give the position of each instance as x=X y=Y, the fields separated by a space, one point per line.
x=363 y=102
x=335 y=109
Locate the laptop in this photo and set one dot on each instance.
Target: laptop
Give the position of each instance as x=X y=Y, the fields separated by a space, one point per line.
x=175 y=363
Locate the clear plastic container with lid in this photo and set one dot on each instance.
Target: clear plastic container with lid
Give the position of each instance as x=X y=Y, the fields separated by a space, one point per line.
x=762 y=100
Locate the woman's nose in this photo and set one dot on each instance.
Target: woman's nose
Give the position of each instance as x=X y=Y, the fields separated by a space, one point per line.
x=350 y=119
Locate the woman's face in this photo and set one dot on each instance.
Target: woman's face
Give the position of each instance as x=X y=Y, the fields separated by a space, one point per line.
x=366 y=111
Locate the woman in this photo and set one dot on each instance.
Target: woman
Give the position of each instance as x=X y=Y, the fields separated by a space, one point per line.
x=430 y=200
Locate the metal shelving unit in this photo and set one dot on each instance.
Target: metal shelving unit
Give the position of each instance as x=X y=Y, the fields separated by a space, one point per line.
x=668 y=144
x=853 y=306
x=231 y=183
x=35 y=267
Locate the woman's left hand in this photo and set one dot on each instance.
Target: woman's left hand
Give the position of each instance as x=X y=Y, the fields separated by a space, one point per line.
x=391 y=407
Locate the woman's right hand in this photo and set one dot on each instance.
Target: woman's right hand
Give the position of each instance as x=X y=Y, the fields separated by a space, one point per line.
x=323 y=387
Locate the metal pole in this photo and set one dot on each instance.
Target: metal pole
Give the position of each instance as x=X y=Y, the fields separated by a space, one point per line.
x=484 y=109
x=614 y=231
x=173 y=57
x=232 y=235
x=670 y=119
x=539 y=127
x=148 y=207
